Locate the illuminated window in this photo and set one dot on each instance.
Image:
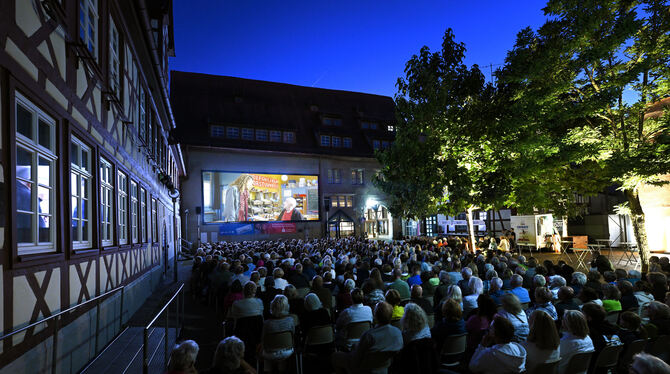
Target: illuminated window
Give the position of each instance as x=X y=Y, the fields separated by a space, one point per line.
x=350 y=201
x=122 y=201
x=390 y=128
x=106 y=200
x=337 y=141
x=357 y=176
x=80 y=190
x=35 y=178
x=346 y=142
x=325 y=140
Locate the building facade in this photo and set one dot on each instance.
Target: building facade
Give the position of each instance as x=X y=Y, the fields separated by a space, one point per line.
x=86 y=170
x=231 y=125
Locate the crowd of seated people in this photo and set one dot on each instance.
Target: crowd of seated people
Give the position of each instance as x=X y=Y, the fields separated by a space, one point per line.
x=412 y=297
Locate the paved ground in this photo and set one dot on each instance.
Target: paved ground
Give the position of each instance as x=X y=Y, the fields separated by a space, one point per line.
x=572 y=261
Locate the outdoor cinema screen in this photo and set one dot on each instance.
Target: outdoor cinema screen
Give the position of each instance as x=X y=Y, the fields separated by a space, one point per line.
x=254 y=197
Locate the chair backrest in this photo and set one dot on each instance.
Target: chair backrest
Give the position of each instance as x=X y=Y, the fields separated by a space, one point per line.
x=546 y=368
x=278 y=340
x=579 y=363
x=609 y=356
x=320 y=335
x=613 y=317
x=354 y=330
x=633 y=348
x=248 y=326
x=302 y=292
x=454 y=344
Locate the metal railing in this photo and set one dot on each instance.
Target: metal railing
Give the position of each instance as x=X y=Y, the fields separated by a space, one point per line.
x=166 y=309
x=57 y=317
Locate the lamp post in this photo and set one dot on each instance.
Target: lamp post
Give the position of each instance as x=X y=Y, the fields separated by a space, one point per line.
x=174 y=194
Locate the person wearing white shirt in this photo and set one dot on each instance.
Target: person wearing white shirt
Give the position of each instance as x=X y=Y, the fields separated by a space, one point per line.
x=249 y=306
x=280 y=282
x=497 y=353
x=543 y=344
x=357 y=312
x=575 y=340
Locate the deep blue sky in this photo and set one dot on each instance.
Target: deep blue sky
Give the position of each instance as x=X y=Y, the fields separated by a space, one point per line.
x=350 y=45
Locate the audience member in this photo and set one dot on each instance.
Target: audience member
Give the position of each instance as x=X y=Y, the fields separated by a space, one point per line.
x=543 y=341
x=512 y=310
x=575 y=339
x=182 y=358
x=497 y=353
x=248 y=306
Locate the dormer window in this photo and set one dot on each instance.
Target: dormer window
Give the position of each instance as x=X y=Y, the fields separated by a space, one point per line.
x=331 y=121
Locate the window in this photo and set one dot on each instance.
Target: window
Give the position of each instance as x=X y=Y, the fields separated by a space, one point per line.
x=247 y=134
x=122 y=189
x=342 y=201
x=289 y=137
x=141 y=116
x=154 y=221
x=232 y=132
x=330 y=121
x=262 y=135
x=346 y=142
x=218 y=131
x=385 y=144
x=143 y=215
x=275 y=136
x=334 y=176
x=350 y=201
x=106 y=198
x=376 y=144
x=325 y=140
x=357 y=176
x=366 y=125
x=333 y=201
x=114 y=61
x=80 y=191
x=134 y=226
x=390 y=128
x=337 y=141
x=88 y=25
x=35 y=178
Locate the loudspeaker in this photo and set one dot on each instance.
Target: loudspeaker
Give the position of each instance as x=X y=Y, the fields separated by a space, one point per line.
x=326 y=202
x=198 y=210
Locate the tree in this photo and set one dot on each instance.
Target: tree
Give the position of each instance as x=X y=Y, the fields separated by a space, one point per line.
x=580 y=86
x=444 y=158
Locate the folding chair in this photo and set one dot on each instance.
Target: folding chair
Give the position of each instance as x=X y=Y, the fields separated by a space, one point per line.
x=579 y=363
x=316 y=336
x=453 y=347
x=634 y=347
x=546 y=368
x=354 y=330
x=608 y=357
x=377 y=361
x=278 y=341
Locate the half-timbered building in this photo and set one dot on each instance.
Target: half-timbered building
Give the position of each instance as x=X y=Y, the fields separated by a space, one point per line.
x=87 y=168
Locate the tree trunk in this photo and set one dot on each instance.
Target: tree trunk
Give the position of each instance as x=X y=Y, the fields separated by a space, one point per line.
x=471 y=229
x=637 y=218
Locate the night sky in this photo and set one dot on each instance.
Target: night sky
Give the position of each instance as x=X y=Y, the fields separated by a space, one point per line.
x=350 y=45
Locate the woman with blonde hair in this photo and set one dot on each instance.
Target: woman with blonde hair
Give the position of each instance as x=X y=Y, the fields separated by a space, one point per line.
x=414 y=323
x=543 y=342
x=575 y=340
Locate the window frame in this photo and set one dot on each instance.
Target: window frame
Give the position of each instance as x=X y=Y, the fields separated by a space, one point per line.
x=95 y=6
x=115 y=59
x=260 y=137
x=333 y=143
x=122 y=208
x=154 y=220
x=143 y=215
x=38 y=151
x=288 y=137
x=232 y=129
x=247 y=131
x=214 y=131
x=112 y=212
x=134 y=216
x=346 y=142
x=76 y=169
x=275 y=136
x=321 y=140
x=358 y=177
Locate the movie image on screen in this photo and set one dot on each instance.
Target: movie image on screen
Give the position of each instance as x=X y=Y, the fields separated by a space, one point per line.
x=248 y=197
